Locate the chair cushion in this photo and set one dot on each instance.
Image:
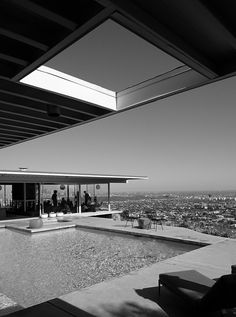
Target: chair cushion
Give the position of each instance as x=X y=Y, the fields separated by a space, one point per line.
x=221 y=295
x=190 y=284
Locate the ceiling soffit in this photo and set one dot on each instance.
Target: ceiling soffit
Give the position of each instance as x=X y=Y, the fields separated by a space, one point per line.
x=200 y=34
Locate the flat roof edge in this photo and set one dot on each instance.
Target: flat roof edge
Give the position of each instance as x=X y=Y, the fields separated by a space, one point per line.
x=5 y=173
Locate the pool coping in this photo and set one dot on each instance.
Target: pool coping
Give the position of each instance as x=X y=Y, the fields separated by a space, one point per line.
x=50 y=227
x=176 y=234
x=145 y=235
x=53 y=227
x=184 y=235
x=62 y=225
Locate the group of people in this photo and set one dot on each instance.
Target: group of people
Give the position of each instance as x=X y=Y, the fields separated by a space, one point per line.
x=86 y=205
x=64 y=204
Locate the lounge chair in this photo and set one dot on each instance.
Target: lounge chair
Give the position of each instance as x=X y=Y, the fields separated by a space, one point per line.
x=205 y=294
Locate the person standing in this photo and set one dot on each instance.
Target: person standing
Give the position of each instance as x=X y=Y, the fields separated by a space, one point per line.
x=54 y=198
x=86 y=198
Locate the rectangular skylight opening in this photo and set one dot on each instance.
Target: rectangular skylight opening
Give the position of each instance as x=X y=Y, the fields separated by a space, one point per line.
x=50 y=79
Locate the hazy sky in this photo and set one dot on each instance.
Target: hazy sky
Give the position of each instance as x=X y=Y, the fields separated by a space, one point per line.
x=184 y=142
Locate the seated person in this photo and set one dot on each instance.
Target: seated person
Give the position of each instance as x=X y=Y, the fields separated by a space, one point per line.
x=69 y=203
x=63 y=203
x=84 y=208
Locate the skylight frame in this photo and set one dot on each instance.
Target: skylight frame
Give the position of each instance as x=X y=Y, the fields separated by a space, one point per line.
x=50 y=79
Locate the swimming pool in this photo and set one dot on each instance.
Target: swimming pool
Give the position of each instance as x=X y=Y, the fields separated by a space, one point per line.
x=40 y=267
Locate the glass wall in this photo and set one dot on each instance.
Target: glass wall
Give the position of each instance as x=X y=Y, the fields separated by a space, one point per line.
x=18 y=200
x=59 y=198
x=26 y=199
x=5 y=200
x=94 y=197
x=5 y=195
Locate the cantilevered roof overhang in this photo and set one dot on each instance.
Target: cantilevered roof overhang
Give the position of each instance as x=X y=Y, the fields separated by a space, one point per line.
x=9 y=177
x=200 y=34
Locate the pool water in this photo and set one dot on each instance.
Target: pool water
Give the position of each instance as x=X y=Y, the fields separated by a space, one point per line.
x=40 y=267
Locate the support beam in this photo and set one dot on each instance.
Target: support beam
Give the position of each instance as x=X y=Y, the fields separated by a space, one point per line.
x=35 y=198
x=109 y=197
x=23 y=39
x=24 y=197
x=31 y=120
x=5 y=196
x=12 y=131
x=45 y=13
x=2 y=141
x=41 y=206
x=31 y=113
x=6 y=136
x=14 y=60
x=20 y=124
x=68 y=192
x=79 y=199
x=35 y=109
x=159 y=87
x=39 y=200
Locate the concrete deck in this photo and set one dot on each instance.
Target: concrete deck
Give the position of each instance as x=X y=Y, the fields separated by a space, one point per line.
x=136 y=294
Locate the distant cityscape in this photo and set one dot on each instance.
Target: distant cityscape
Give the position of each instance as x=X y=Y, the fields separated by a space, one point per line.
x=207 y=212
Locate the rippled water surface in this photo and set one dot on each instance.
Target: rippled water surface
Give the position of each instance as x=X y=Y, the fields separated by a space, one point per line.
x=36 y=268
